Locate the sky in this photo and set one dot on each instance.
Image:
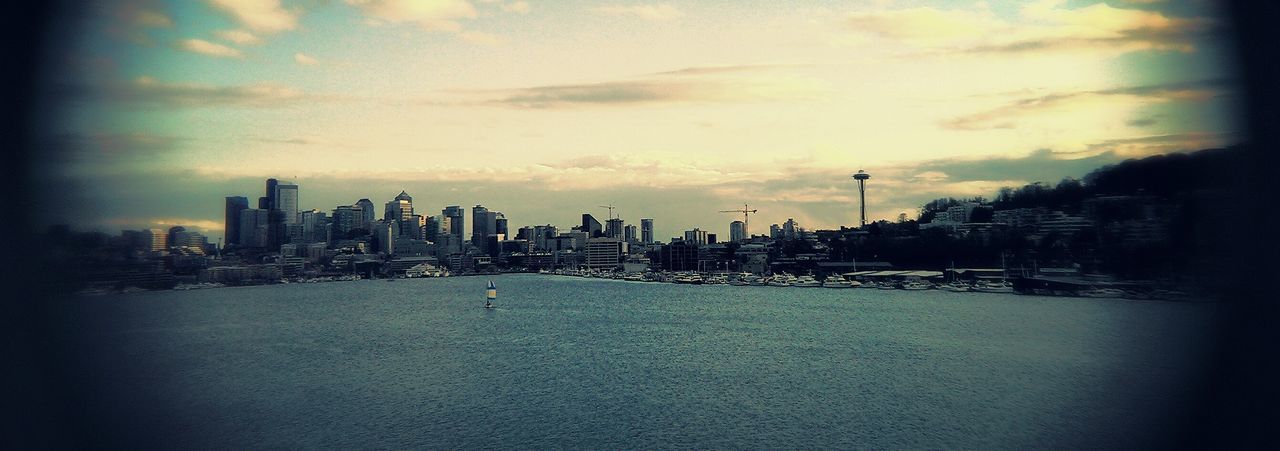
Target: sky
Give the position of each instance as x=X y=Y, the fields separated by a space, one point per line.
x=544 y=110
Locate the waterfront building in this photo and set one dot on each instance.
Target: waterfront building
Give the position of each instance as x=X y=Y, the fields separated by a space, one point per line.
x=646 y=230
x=604 y=253
x=737 y=231
x=231 y=226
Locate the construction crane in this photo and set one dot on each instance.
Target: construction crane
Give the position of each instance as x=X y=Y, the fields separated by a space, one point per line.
x=610 y=207
x=746 y=216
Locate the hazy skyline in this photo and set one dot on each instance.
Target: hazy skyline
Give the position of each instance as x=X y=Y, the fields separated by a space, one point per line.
x=669 y=110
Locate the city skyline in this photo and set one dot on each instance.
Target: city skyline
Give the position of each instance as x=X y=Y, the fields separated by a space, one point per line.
x=671 y=111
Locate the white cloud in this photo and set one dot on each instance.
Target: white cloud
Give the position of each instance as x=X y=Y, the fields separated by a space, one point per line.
x=241 y=37
x=659 y=12
x=266 y=16
x=305 y=60
x=521 y=7
x=204 y=47
x=436 y=15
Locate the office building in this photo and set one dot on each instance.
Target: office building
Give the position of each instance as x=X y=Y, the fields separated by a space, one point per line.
x=646 y=230
x=347 y=218
x=231 y=227
x=604 y=253
x=696 y=236
x=253 y=227
x=400 y=208
x=453 y=221
x=286 y=201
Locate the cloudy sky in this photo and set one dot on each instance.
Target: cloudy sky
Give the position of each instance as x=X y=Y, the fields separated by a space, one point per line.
x=672 y=110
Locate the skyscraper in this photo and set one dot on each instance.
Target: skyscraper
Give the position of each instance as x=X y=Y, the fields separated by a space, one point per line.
x=269 y=196
x=453 y=222
x=737 y=231
x=368 y=214
x=646 y=230
x=286 y=200
x=591 y=226
x=432 y=233
x=400 y=208
x=345 y=219
x=231 y=228
x=253 y=227
x=613 y=228
x=480 y=225
x=629 y=233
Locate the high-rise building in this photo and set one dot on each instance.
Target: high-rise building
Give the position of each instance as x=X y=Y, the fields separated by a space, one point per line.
x=384 y=236
x=453 y=222
x=543 y=236
x=269 y=196
x=646 y=230
x=286 y=200
x=253 y=227
x=629 y=233
x=231 y=228
x=711 y=238
x=500 y=225
x=314 y=224
x=481 y=228
x=591 y=226
x=696 y=236
x=737 y=231
x=432 y=229
x=367 y=214
x=345 y=219
x=154 y=240
x=400 y=208
x=775 y=232
x=613 y=228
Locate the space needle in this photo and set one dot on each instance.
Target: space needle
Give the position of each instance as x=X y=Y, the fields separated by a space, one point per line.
x=862 y=177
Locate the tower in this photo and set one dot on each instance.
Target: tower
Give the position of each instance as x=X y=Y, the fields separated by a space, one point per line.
x=862 y=177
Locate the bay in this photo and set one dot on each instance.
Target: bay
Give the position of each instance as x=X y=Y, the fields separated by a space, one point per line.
x=565 y=362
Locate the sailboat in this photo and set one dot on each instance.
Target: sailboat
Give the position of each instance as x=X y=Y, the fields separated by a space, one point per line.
x=490 y=294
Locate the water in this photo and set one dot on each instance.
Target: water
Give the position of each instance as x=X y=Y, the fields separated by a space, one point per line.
x=602 y=364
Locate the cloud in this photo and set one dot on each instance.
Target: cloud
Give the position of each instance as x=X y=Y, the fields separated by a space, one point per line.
x=520 y=7
x=241 y=37
x=149 y=92
x=151 y=19
x=1141 y=122
x=204 y=47
x=134 y=19
x=266 y=16
x=438 y=15
x=1006 y=116
x=658 y=12
x=1043 y=26
x=639 y=92
x=481 y=38
x=1143 y=146
x=305 y=60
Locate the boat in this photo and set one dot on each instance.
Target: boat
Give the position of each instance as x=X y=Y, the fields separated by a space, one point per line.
x=955 y=287
x=782 y=280
x=915 y=285
x=692 y=279
x=836 y=282
x=716 y=280
x=887 y=285
x=983 y=287
x=490 y=294
x=634 y=277
x=807 y=282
